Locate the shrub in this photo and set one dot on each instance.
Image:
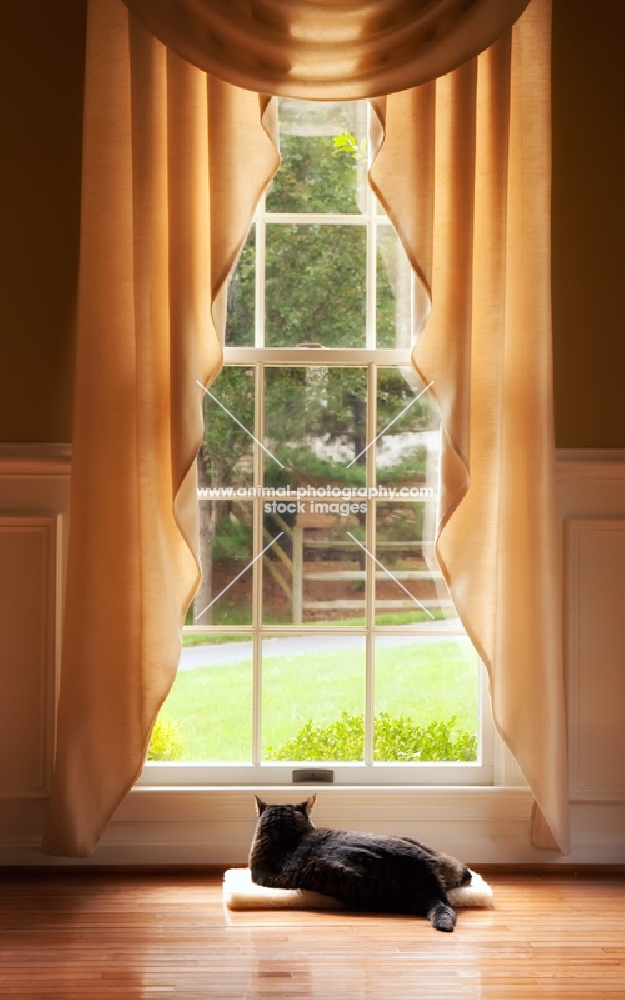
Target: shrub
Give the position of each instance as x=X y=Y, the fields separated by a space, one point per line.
x=395 y=739
x=165 y=742
x=400 y=739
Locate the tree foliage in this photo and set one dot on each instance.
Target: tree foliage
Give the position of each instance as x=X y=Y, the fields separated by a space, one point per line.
x=315 y=273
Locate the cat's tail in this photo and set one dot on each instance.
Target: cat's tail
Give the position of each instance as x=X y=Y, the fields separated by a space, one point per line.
x=441 y=916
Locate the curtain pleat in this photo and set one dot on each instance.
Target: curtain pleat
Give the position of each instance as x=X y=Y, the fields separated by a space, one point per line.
x=470 y=196
x=167 y=200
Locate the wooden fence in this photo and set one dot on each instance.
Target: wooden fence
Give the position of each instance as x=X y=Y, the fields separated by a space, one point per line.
x=293 y=583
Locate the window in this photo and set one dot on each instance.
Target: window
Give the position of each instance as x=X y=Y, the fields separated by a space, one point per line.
x=323 y=637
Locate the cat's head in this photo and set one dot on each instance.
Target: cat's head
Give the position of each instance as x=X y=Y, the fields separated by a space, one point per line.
x=280 y=819
x=451 y=872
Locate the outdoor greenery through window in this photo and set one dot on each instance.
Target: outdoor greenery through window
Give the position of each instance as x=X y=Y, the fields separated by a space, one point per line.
x=323 y=631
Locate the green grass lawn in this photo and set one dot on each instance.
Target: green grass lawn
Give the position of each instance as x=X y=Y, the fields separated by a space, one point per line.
x=211 y=706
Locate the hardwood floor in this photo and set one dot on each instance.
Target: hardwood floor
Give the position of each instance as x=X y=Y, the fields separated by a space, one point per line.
x=94 y=936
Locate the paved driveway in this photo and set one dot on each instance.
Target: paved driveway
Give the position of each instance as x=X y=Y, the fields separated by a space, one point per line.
x=223 y=654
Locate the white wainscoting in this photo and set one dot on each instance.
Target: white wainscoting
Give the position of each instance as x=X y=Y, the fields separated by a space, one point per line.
x=28 y=545
x=199 y=825
x=591 y=509
x=596 y=640
x=34 y=509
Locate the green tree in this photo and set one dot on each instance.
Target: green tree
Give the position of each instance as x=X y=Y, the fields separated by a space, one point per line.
x=315 y=274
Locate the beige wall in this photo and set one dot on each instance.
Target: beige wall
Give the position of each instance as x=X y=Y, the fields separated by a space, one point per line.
x=589 y=222
x=41 y=77
x=41 y=68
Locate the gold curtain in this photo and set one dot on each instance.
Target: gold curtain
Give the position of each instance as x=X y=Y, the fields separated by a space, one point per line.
x=173 y=163
x=467 y=185
x=338 y=50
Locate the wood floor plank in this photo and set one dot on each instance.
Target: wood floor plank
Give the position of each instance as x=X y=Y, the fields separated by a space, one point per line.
x=101 y=937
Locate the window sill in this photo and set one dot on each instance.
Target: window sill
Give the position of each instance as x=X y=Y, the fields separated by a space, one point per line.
x=202 y=825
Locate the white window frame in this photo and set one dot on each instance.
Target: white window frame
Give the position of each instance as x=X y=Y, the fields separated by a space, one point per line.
x=368 y=772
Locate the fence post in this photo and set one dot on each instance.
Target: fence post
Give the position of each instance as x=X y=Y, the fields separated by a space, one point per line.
x=298 y=574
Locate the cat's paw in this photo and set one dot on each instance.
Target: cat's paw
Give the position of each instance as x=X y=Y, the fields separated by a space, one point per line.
x=442 y=917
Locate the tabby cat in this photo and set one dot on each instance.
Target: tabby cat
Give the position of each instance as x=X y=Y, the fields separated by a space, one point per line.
x=365 y=871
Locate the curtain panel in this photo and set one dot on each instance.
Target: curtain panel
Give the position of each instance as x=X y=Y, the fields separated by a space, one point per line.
x=174 y=162
x=468 y=187
x=166 y=202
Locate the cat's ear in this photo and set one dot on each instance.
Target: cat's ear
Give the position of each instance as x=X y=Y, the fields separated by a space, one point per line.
x=308 y=805
x=260 y=805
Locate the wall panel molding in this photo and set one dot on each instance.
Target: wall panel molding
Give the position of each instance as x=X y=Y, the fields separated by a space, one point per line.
x=35 y=460
x=591 y=515
x=34 y=510
x=595 y=602
x=590 y=463
x=28 y=589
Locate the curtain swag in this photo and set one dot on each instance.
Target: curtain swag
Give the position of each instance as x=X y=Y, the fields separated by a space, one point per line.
x=174 y=163
x=336 y=50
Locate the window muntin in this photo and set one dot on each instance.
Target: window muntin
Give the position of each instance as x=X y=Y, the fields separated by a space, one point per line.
x=312 y=179
x=332 y=404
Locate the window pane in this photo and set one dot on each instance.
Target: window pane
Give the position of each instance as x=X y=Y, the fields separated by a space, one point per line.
x=225 y=552
x=208 y=712
x=408 y=447
x=241 y=297
x=315 y=574
x=394 y=298
x=324 y=158
x=313 y=698
x=315 y=287
x=426 y=699
x=333 y=566
x=315 y=425
x=415 y=590
x=225 y=461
